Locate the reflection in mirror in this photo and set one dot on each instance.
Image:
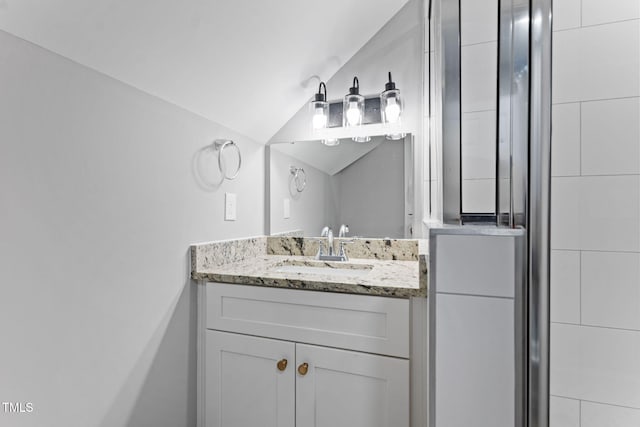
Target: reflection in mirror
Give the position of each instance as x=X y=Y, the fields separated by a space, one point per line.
x=360 y=185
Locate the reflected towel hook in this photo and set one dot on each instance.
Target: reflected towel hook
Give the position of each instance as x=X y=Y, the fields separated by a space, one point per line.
x=220 y=145
x=299 y=177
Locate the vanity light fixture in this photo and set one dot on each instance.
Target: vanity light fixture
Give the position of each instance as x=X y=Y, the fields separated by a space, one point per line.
x=320 y=108
x=391 y=107
x=356 y=110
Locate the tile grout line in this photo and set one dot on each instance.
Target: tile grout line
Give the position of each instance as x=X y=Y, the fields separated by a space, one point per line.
x=584 y=101
x=581 y=9
x=600 y=24
x=595 y=250
x=596 y=327
x=575 y=399
x=604 y=175
x=580 y=413
x=487 y=42
x=580 y=287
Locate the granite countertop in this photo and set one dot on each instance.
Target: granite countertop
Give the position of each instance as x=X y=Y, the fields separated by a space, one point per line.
x=382 y=267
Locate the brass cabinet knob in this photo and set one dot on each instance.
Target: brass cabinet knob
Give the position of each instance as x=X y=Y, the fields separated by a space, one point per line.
x=302 y=369
x=282 y=365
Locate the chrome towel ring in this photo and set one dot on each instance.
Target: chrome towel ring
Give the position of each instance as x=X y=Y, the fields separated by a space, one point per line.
x=299 y=178
x=220 y=145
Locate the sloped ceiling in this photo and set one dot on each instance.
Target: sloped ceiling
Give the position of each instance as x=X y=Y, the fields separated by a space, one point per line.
x=241 y=63
x=328 y=159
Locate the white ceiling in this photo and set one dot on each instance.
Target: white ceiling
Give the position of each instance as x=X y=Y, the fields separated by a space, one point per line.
x=237 y=62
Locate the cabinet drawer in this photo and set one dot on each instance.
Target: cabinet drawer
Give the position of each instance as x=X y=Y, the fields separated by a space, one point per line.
x=356 y=322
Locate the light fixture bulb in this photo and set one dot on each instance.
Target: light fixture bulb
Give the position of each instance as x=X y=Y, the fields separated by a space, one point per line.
x=319 y=119
x=391 y=103
x=353 y=114
x=353 y=106
x=319 y=108
x=392 y=111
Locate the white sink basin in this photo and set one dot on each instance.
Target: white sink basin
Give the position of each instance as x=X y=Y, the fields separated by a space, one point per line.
x=337 y=269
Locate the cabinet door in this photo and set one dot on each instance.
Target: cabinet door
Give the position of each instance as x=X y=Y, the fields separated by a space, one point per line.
x=350 y=389
x=474 y=361
x=245 y=387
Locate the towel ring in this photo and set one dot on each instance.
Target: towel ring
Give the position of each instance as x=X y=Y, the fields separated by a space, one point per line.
x=220 y=145
x=299 y=178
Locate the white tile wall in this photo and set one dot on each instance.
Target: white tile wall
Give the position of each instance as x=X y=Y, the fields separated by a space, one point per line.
x=478 y=21
x=565 y=292
x=598 y=415
x=566 y=140
x=600 y=12
x=564 y=412
x=479 y=33
x=611 y=137
x=479 y=145
x=611 y=289
x=595 y=364
x=478 y=195
x=595 y=287
x=596 y=213
x=566 y=65
x=566 y=14
x=599 y=62
x=479 y=77
x=565 y=207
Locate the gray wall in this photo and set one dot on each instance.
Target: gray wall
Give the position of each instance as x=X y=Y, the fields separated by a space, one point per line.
x=370 y=193
x=309 y=209
x=99 y=203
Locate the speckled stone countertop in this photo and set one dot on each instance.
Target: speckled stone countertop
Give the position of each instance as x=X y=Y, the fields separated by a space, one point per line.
x=394 y=268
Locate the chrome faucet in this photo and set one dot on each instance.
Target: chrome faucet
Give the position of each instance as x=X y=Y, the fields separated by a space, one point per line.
x=330 y=254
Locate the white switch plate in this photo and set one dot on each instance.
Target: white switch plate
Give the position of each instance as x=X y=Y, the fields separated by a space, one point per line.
x=287 y=208
x=230 y=206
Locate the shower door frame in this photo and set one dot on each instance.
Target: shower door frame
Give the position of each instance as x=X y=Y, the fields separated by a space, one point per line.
x=523 y=172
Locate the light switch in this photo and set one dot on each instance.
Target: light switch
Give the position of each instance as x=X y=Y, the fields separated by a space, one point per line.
x=287 y=208
x=229 y=206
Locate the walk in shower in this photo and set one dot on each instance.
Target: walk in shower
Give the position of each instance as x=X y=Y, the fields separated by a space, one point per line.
x=489 y=68
x=499 y=72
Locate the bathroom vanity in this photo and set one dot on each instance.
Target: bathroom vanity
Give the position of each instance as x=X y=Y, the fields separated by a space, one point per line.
x=286 y=340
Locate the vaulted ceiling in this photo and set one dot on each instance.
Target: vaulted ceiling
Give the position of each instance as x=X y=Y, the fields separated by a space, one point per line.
x=245 y=64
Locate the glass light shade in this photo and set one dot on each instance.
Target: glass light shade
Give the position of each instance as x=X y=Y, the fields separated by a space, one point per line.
x=320 y=114
x=331 y=142
x=391 y=106
x=353 y=110
x=395 y=136
x=361 y=139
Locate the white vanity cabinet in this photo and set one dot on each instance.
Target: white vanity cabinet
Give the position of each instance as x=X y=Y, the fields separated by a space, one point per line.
x=284 y=358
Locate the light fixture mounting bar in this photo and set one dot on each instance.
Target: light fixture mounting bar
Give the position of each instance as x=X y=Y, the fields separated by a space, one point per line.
x=371 y=112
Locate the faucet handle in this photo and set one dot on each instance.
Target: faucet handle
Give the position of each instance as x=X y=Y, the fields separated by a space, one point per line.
x=342 y=252
x=321 y=246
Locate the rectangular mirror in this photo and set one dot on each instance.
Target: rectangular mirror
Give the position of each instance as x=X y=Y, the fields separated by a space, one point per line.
x=366 y=186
